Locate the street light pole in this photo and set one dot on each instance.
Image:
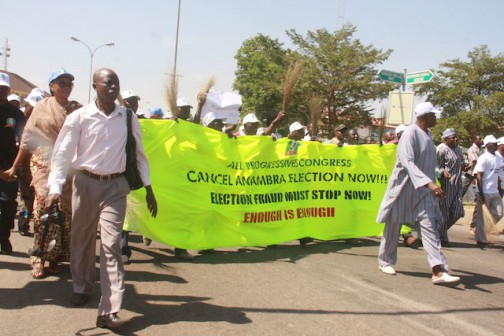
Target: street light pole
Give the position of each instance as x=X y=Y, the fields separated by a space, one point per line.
x=176 y=41
x=91 y=54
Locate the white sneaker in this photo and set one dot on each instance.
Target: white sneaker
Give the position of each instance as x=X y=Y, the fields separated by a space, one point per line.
x=125 y=259
x=445 y=279
x=388 y=270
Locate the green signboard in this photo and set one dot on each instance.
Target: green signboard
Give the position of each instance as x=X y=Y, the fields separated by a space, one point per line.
x=419 y=77
x=391 y=76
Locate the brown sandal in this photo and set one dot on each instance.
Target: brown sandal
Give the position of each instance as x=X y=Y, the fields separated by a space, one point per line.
x=38 y=271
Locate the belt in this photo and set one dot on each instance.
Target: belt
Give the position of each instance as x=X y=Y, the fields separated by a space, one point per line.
x=109 y=177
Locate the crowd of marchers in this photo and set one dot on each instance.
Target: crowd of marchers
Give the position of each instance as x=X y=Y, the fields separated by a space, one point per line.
x=66 y=163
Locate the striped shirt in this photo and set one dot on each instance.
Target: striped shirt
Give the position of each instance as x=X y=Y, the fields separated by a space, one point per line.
x=407 y=197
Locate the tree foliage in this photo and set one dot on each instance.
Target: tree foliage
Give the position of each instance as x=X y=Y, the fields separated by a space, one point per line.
x=337 y=67
x=475 y=86
x=261 y=65
x=468 y=124
x=341 y=69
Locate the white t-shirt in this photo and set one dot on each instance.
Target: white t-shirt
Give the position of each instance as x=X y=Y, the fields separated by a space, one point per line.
x=490 y=166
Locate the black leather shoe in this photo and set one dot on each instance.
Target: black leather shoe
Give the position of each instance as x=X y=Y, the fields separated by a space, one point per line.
x=6 y=247
x=304 y=241
x=109 y=321
x=79 y=299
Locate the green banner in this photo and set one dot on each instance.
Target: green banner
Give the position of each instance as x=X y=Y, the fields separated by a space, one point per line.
x=215 y=191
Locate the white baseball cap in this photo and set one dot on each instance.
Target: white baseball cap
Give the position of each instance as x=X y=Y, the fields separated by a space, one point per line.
x=489 y=139
x=36 y=95
x=448 y=132
x=250 y=118
x=4 y=79
x=183 y=102
x=296 y=126
x=128 y=94
x=424 y=108
x=14 y=97
x=211 y=116
x=400 y=129
x=500 y=141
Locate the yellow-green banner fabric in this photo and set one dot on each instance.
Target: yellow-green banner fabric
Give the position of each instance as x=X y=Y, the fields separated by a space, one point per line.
x=214 y=191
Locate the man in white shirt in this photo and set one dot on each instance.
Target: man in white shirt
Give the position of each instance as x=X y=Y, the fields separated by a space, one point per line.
x=488 y=169
x=92 y=141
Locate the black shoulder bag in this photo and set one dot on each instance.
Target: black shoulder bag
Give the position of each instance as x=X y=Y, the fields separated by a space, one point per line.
x=132 y=175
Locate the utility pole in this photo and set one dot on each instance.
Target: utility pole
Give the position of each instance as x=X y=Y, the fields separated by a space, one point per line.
x=5 y=53
x=340 y=14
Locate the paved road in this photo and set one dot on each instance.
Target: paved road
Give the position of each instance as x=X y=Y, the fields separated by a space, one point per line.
x=325 y=288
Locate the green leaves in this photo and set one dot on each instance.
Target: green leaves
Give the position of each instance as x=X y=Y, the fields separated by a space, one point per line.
x=337 y=67
x=469 y=91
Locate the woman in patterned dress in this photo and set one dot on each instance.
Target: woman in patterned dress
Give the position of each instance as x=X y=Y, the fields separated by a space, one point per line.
x=38 y=139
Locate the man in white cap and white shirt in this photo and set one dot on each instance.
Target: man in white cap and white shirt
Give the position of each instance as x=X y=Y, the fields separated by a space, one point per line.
x=451 y=167
x=251 y=124
x=488 y=168
x=412 y=197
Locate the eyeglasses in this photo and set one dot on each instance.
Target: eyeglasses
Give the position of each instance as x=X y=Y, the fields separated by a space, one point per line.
x=63 y=84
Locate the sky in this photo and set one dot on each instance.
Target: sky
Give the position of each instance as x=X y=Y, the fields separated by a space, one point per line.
x=421 y=33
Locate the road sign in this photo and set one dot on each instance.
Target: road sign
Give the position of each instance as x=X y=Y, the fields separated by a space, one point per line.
x=400 y=108
x=391 y=76
x=419 y=77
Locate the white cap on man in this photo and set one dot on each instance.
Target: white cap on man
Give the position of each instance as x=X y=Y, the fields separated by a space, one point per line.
x=181 y=102
x=489 y=139
x=448 y=133
x=250 y=118
x=500 y=141
x=128 y=94
x=14 y=97
x=400 y=129
x=211 y=116
x=295 y=126
x=424 y=108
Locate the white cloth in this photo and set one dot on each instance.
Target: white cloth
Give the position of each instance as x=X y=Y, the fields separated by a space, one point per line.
x=490 y=165
x=90 y=140
x=473 y=153
x=227 y=104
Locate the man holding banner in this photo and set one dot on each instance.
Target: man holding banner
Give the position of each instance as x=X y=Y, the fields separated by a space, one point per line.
x=412 y=197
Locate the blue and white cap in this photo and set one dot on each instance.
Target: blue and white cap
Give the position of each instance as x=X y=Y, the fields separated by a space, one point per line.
x=4 y=79
x=59 y=73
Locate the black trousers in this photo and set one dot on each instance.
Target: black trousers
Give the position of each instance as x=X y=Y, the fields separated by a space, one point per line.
x=8 y=208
